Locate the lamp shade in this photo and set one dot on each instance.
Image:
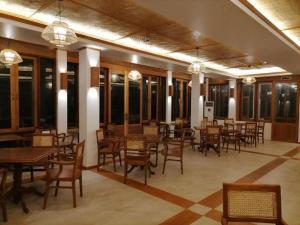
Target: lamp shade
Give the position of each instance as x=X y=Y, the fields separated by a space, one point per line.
x=196 y=67
x=10 y=57
x=134 y=75
x=59 y=34
x=249 y=80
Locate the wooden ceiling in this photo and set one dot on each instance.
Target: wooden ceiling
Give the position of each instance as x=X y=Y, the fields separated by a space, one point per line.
x=130 y=21
x=282 y=15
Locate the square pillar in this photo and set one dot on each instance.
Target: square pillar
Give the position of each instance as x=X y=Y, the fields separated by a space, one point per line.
x=62 y=96
x=169 y=97
x=88 y=105
x=232 y=100
x=196 y=100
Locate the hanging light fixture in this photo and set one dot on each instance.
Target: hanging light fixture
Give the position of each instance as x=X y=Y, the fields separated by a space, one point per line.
x=10 y=57
x=196 y=67
x=190 y=83
x=134 y=75
x=249 y=80
x=58 y=32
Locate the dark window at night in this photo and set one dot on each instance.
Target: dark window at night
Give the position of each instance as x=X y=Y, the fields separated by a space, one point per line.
x=102 y=79
x=26 y=71
x=248 y=101
x=265 y=101
x=134 y=101
x=286 y=102
x=117 y=99
x=220 y=97
x=5 y=114
x=189 y=102
x=184 y=112
x=145 y=97
x=153 y=98
x=176 y=99
x=72 y=95
x=47 y=93
x=163 y=98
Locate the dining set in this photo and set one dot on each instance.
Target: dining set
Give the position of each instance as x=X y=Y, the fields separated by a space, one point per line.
x=56 y=156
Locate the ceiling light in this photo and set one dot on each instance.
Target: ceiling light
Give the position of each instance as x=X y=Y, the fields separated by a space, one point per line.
x=196 y=67
x=59 y=33
x=249 y=80
x=190 y=83
x=9 y=57
x=134 y=75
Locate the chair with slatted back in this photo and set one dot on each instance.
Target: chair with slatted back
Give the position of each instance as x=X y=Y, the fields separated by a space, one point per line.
x=136 y=154
x=261 y=130
x=250 y=133
x=153 y=146
x=252 y=203
x=67 y=171
x=213 y=139
x=228 y=121
x=3 y=192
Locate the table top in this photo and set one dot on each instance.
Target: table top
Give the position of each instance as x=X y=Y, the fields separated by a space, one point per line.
x=25 y=154
x=10 y=137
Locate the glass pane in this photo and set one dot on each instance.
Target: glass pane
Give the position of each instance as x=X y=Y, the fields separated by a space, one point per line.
x=117 y=98
x=47 y=93
x=153 y=98
x=102 y=77
x=248 y=101
x=189 y=102
x=26 y=93
x=223 y=101
x=5 y=113
x=286 y=102
x=145 y=97
x=214 y=93
x=176 y=99
x=163 y=98
x=134 y=101
x=265 y=101
x=72 y=95
x=184 y=99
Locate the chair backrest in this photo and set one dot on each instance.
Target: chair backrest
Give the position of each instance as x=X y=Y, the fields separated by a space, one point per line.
x=228 y=121
x=252 y=203
x=42 y=140
x=99 y=135
x=205 y=118
x=70 y=138
x=215 y=123
x=153 y=123
x=135 y=142
x=213 y=134
x=3 y=174
x=261 y=124
x=78 y=159
x=150 y=130
x=205 y=123
x=250 y=128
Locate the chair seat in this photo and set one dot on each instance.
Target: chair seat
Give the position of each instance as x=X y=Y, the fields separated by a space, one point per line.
x=66 y=174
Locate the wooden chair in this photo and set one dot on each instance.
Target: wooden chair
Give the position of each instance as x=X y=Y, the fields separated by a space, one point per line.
x=179 y=124
x=67 y=171
x=251 y=203
x=250 y=133
x=213 y=139
x=153 y=147
x=173 y=151
x=3 y=192
x=261 y=131
x=215 y=123
x=228 y=121
x=136 y=154
x=231 y=135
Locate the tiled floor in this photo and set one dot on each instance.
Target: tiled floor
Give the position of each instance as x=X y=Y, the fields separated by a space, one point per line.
x=193 y=198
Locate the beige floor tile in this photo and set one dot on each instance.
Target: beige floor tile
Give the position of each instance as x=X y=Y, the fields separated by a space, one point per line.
x=205 y=221
x=200 y=209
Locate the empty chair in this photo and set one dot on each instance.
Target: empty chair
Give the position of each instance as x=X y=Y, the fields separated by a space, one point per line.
x=3 y=191
x=213 y=139
x=261 y=130
x=153 y=146
x=251 y=203
x=228 y=121
x=250 y=133
x=67 y=171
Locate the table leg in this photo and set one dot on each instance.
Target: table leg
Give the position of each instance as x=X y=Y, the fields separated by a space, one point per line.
x=17 y=187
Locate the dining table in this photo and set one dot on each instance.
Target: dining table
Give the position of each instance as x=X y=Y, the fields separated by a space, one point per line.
x=18 y=157
x=12 y=138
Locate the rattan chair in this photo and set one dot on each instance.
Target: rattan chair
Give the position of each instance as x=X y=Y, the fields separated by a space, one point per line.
x=251 y=203
x=213 y=139
x=250 y=133
x=153 y=147
x=260 y=131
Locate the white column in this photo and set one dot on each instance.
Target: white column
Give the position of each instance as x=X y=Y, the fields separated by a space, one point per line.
x=169 y=98
x=196 y=101
x=62 y=97
x=88 y=105
x=201 y=99
x=232 y=101
x=206 y=88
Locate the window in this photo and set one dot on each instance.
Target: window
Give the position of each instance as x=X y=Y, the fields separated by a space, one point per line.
x=134 y=101
x=117 y=98
x=153 y=98
x=145 y=97
x=248 y=92
x=72 y=94
x=162 y=99
x=47 y=93
x=265 y=101
x=102 y=90
x=5 y=114
x=184 y=112
x=26 y=102
x=286 y=102
x=176 y=99
x=220 y=96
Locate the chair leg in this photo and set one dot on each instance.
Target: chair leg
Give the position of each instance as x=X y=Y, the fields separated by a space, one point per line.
x=56 y=188
x=4 y=211
x=125 y=173
x=104 y=159
x=114 y=161
x=145 y=170
x=156 y=156
x=99 y=161
x=80 y=186
x=181 y=165
x=74 y=193
x=31 y=174
x=47 y=189
x=120 y=159
x=165 y=160
x=263 y=138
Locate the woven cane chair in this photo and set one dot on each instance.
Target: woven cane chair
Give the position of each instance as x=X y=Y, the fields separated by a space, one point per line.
x=251 y=203
x=228 y=121
x=250 y=133
x=261 y=131
x=213 y=139
x=152 y=130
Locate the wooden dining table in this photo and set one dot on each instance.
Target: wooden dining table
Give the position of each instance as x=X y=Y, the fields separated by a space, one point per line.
x=18 y=157
x=12 y=138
